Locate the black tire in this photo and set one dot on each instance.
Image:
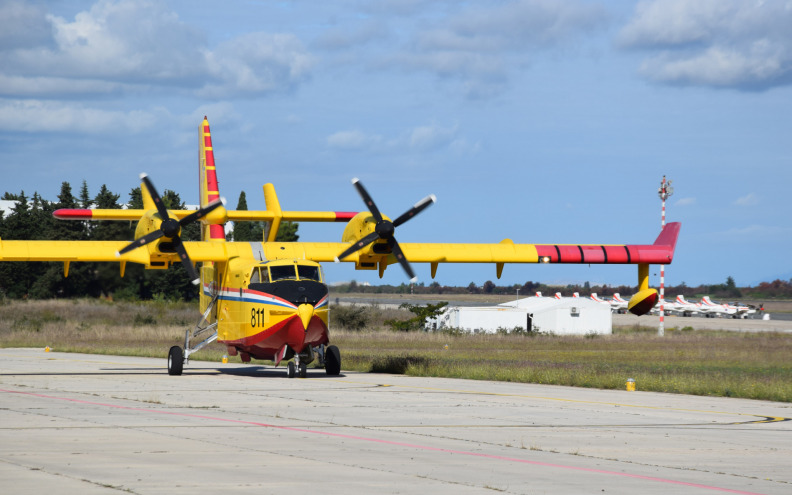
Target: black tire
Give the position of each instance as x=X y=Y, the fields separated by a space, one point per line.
x=291 y=369
x=303 y=370
x=332 y=361
x=175 y=361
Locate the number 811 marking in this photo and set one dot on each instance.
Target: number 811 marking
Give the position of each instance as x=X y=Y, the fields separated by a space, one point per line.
x=257 y=317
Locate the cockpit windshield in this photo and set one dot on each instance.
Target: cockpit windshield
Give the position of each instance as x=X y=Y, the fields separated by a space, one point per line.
x=308 y=272
x=283 y=272
x=274 y=273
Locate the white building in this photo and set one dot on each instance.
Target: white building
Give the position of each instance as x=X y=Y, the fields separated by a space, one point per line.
x=565 y=316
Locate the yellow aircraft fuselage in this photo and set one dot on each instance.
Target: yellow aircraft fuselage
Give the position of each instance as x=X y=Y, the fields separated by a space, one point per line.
x=268 y=309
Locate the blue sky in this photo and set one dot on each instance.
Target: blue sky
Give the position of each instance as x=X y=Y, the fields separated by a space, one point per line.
x=538 y=121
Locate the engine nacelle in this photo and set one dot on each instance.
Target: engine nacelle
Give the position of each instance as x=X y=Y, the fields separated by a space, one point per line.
x=359 y=227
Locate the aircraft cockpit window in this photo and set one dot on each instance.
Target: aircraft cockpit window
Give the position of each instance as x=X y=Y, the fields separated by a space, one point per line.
x=309 y=272
x=285 y=272
x=255 y=278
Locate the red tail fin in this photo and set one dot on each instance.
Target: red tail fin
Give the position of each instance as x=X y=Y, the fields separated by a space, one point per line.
x=668 y=237
x=207 y=178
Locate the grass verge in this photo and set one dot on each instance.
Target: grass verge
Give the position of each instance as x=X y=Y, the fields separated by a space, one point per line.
x=716 y=363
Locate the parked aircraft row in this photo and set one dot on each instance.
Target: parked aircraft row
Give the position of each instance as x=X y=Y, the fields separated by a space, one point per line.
x=707 y=307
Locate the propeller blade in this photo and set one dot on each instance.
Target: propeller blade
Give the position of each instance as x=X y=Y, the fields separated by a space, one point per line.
x=202 y=212
x=416 y=209
x=155 y=196
x=357 y=246
x=367 y=199
x=397 y=252
x=185 y=259
x=150 y=237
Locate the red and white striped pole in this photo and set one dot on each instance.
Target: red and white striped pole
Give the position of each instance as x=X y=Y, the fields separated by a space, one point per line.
x=664 y=192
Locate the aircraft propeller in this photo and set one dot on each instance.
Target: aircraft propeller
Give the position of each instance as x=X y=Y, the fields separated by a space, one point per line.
x=385 y=229
x=171 y=228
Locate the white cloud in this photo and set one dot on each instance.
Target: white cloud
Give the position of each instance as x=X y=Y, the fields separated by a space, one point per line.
x=685 y=202
x=747 y=200
x=481 y=46
x=49 y=116
x=129 y=45
x=720 y=43
x=352 y=140
x=24 y=25
x=419 y=139
x=346 y=37
x=257 y=63
x=431 y=137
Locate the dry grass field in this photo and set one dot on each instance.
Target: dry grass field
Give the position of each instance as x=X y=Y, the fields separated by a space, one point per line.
x=737 y=364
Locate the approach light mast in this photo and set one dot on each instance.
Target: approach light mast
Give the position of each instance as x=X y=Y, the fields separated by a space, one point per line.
x=665 y=191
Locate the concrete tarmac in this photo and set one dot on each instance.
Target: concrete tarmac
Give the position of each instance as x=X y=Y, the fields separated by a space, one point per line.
x=88 y=424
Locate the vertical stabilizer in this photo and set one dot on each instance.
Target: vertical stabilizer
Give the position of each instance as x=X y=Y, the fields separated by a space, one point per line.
x=208 y=191
x=207 y=181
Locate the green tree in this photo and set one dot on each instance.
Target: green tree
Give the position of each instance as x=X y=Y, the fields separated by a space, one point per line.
x=288 y=232
x=85 y=198
x=108 y=274
x=731 y=288
x=16 y=279
x=135 y=199
x=243 y=231
x=254 y=231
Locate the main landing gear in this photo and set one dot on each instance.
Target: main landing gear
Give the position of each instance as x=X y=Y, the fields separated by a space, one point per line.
x=175 y=361
x=177 y=357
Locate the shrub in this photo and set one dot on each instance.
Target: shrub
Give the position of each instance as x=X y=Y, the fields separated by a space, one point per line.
x=351 y=317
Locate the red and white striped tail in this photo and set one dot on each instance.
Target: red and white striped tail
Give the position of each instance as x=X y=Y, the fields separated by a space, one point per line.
x=207 y=180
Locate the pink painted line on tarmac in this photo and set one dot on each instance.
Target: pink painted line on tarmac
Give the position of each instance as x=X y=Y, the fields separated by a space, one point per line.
x=387 y=442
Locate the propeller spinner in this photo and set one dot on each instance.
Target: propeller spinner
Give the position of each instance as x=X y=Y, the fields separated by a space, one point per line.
x=171 y=228
x=385 y=229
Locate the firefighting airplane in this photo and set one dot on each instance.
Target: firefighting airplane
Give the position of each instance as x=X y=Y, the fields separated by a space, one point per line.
x=268 y=300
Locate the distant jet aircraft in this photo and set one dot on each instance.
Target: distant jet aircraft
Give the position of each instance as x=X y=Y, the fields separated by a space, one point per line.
x=618 y=305
x=743 y=310
x=667 y=306
x=686 y=308
x=711 y=308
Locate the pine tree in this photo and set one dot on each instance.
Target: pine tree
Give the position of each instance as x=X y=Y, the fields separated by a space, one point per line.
x=16 y=279
x=108 y=274
x=288 y=232
x=242 y=231
x=85 y=198
x=135 y=199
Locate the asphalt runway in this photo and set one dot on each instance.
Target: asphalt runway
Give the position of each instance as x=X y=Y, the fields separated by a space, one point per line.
x=75 y=423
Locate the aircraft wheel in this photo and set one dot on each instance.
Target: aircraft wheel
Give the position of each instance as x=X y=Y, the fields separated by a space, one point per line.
x=303 y=370
x=175 y=360
x=332 y=361
x=291 y=369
